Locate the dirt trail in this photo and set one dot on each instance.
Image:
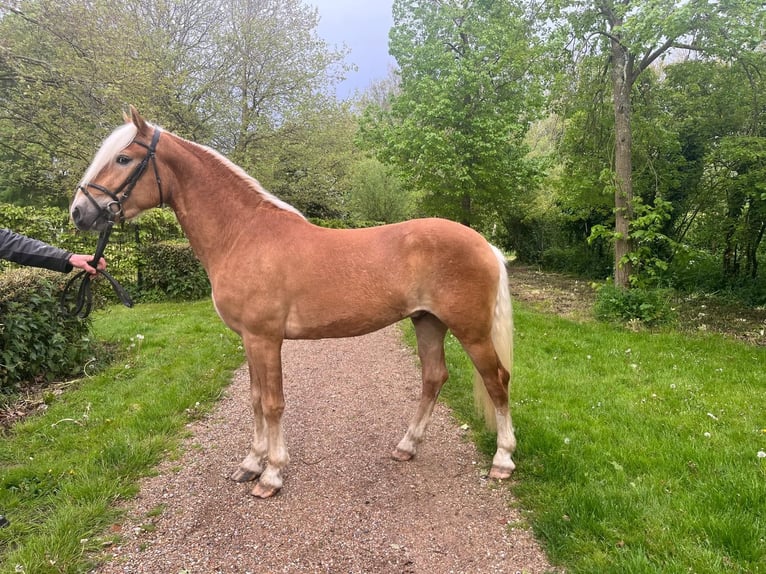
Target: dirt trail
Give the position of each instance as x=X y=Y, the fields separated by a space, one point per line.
x=346 y=505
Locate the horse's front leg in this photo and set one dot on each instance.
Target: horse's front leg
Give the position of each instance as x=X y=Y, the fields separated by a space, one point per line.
x=253 y=464
x=264 y=355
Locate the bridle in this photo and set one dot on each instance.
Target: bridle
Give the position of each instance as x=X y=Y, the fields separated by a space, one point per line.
x=83 y=302
x=119 y=196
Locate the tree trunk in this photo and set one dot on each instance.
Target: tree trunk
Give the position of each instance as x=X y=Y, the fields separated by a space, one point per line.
x=622 y=80
x=465 y=209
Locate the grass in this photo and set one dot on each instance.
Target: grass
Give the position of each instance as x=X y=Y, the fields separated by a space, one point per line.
x=638 y=452
x=62 y=473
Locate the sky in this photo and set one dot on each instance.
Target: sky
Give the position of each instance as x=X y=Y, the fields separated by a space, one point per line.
x=362 y=26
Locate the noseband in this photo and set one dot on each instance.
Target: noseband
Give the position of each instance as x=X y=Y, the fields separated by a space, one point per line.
x=120 y=195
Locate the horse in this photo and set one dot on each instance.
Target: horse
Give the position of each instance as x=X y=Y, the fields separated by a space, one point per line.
x=276 y=276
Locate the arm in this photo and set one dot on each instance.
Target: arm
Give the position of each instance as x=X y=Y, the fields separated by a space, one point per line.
x=27 y=251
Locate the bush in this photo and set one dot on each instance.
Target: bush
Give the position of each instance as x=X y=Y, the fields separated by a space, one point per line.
x=38 y=340
x=171 y=272
x=652 y=307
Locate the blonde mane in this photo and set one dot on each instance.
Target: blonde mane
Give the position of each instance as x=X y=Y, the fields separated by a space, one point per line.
x=121 y=137
x=251 y=181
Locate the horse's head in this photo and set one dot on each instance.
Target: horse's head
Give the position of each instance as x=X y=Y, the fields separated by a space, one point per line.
x=113 y=188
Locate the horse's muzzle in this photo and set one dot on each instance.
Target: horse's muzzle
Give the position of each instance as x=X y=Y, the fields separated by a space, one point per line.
x=86 y=218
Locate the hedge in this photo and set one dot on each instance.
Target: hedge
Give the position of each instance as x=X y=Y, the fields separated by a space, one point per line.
x=170 y=271
x=37 y=339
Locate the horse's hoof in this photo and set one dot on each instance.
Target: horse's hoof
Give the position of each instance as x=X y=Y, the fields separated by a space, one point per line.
x=263 y=491
x=402 y=455
x=500 y=473
x=244 y=475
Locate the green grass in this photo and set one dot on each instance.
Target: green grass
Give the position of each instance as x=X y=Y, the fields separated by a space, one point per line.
x=62 y=473
x=638 y=452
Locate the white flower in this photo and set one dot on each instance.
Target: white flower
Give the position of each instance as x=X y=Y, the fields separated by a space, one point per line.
x=140 y=337
x=761 y=454
x=707 y=435
x=567 y=441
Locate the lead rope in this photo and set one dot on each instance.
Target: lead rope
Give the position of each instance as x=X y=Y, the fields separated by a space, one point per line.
x=83 y=302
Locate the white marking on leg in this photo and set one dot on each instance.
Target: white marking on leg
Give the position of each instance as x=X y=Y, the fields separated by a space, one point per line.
x=502 y=463
x=417 y=428
x=278 y=458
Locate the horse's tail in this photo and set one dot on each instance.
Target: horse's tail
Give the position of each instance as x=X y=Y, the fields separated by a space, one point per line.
x=502 y=339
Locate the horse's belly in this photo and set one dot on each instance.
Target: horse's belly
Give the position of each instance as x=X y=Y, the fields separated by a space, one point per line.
x=331 y=323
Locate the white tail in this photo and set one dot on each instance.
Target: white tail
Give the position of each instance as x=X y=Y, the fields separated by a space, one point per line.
x=502 y=339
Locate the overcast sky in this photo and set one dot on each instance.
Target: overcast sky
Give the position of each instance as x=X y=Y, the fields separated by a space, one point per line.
x=362 y=25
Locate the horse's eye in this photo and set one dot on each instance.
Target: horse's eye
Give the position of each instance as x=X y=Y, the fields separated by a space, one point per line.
x=123 y=160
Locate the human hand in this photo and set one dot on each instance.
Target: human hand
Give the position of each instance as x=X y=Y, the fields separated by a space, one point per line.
x=83 y=262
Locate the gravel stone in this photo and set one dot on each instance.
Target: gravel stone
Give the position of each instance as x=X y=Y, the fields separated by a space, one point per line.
x=346 y=506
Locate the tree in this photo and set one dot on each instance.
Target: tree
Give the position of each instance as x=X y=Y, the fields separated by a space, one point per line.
x=70 y=67
x=229 y=73
x=455 y=128
x=633 y=34
x=309 y=160
x=274 y=67
x=376 y=193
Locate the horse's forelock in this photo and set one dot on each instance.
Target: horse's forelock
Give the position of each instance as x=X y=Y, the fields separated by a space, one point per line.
x=118 y=140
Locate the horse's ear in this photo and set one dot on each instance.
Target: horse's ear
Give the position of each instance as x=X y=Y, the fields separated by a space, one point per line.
x=136 y=119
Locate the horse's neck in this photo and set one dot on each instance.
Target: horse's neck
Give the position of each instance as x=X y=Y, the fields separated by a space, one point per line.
x=211 y=202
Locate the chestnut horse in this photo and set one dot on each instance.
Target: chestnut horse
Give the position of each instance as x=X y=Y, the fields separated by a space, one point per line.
x=276 y=276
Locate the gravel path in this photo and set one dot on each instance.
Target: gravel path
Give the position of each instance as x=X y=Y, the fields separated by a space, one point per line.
x=346 y=505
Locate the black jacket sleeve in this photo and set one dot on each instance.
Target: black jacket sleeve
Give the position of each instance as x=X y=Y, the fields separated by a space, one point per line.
x=28 y=251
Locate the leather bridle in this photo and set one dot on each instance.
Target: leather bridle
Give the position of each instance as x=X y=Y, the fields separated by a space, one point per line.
x=119 y=196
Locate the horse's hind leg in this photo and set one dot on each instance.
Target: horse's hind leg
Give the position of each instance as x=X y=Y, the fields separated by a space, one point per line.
x=430 y=333
x=253 y=464
x=496 y=381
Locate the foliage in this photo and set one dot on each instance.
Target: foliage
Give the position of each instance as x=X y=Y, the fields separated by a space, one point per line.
x=651 y=248
x=645 y=459
x=123 y=252
x=274 y=70
x=309 y=163
x=455 y=124
x=455 y=128
x=63 y=473
x=377 y=193
x=37 y=339
x=222 y=73
x=343 y=223
x=171 y=271
x=630 y=36
x=737 y=170
x=49 y=224
x=649 y=306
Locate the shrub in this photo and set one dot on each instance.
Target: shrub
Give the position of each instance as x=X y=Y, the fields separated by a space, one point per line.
x=651 y=307
x=172 y=272
x=38 y=340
